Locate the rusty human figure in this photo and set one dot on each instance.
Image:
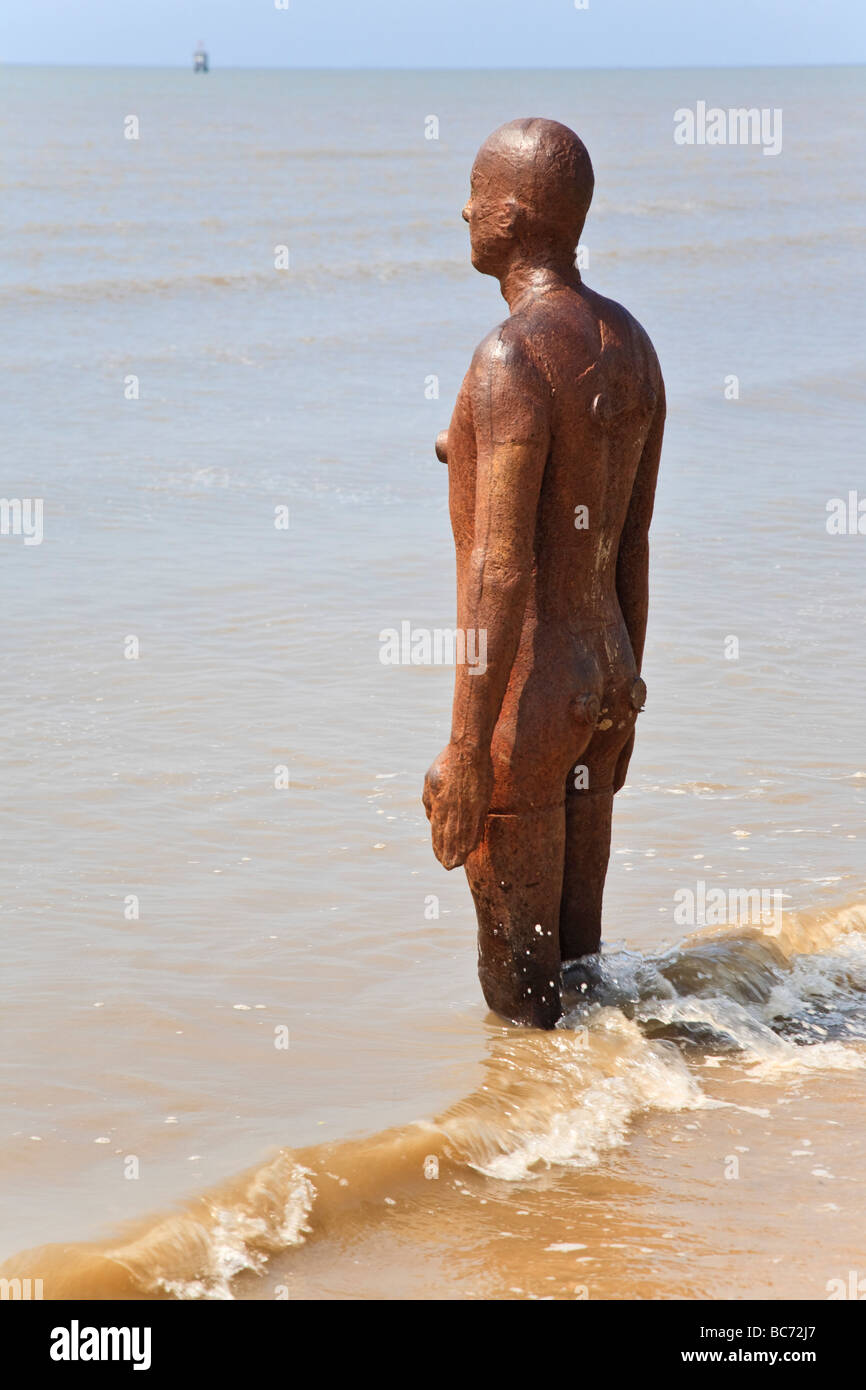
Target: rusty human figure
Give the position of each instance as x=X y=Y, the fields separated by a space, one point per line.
x=553 y=452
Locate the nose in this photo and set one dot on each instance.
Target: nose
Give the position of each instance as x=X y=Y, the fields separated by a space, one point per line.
x=465 y=213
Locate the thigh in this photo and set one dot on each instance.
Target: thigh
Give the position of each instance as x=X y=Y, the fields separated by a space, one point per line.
x=533 y=752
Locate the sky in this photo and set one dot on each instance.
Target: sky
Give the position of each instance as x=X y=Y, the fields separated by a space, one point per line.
x=435 y=33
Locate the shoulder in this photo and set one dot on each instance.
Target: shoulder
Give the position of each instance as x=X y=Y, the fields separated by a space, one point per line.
x=508 y=354
x=622 y=326
x=510 y=396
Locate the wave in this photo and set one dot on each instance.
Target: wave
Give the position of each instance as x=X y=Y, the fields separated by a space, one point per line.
x=316 y=276
x=640 y=1034
x=321 y=276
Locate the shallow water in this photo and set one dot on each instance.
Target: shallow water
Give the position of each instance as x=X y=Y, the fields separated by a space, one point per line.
x=304 y=909
x=636 y=1151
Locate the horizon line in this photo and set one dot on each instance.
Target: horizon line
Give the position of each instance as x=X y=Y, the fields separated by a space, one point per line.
x=412 y=67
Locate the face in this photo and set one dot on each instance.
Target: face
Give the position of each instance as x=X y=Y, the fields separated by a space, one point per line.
x=490 y=214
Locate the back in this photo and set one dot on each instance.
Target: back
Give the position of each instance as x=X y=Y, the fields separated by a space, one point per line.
x=605 y=385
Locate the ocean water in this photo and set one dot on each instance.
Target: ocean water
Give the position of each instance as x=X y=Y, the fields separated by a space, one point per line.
x=406 y=1143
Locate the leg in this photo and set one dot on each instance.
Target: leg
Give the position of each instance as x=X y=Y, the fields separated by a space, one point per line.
x=516 y=879
x=587 y=851
x=589 y=812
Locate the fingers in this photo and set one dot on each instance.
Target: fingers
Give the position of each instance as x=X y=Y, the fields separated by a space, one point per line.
x=449 y=856
x=456 y=804
x=442 y=826
x=443 y=838
x=455 y=837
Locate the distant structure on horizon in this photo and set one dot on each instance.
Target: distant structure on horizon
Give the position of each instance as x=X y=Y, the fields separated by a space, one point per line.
x=199 y=58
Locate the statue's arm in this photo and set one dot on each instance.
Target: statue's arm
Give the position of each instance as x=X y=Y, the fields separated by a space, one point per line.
x=509 y=405
x=632 y=567
x=511 y=412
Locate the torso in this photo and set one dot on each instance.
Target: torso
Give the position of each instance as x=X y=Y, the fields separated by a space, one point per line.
x=602 y=378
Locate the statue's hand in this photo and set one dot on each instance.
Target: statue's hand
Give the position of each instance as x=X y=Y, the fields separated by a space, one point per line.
x=457 y=792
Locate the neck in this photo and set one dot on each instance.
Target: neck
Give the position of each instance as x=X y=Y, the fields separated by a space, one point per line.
x=522 y=279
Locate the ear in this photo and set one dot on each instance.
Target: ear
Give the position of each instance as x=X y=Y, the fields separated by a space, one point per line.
x=511 y=215
x=516 y=219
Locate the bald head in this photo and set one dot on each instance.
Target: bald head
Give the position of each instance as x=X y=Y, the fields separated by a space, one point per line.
x=538 y=174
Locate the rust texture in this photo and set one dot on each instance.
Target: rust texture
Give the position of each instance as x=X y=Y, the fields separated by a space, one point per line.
x=552 y=452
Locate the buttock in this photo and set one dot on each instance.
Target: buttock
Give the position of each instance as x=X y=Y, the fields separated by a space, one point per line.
x=535 y=747
x=617 y=716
